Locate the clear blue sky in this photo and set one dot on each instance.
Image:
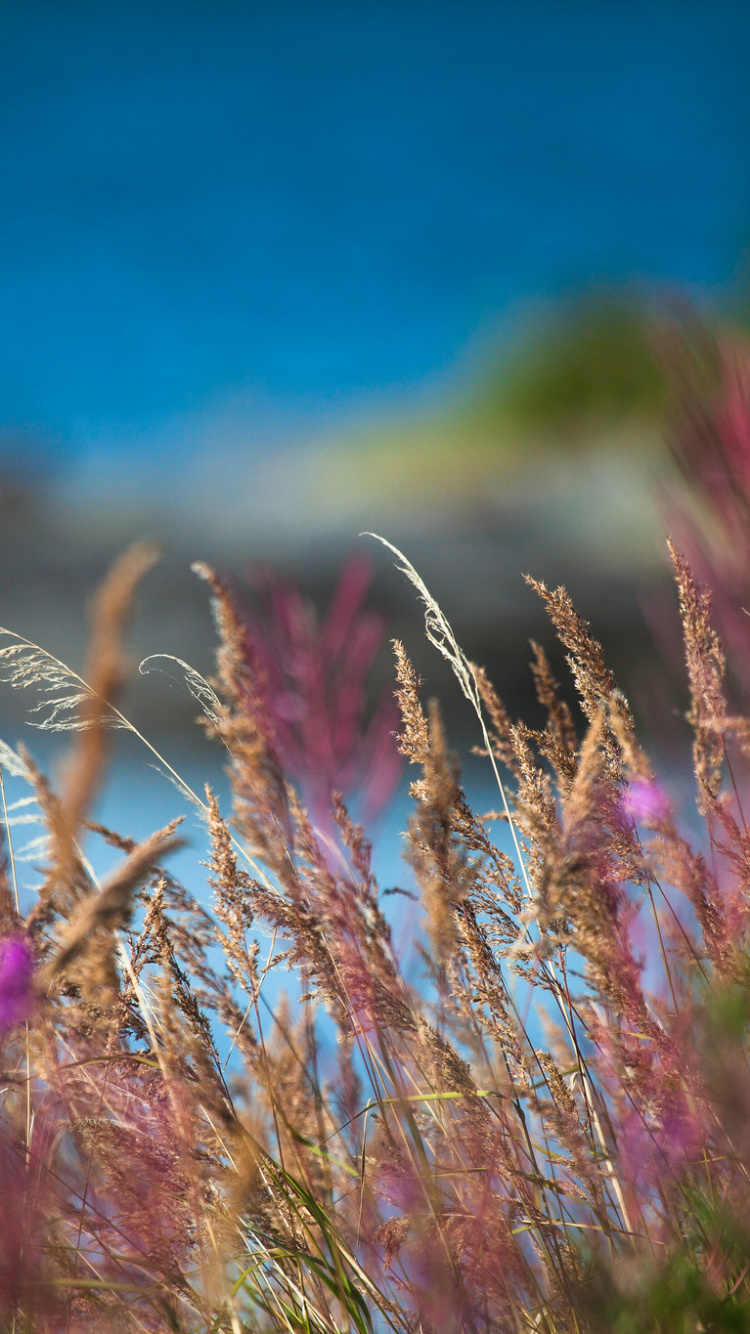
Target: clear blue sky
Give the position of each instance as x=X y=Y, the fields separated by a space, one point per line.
x=316 y=203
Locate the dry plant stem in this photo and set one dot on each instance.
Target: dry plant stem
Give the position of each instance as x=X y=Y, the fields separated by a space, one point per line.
x=118 y=719
x=9 y=837
x=442 y=637
x=105 y=671
x=107 y=906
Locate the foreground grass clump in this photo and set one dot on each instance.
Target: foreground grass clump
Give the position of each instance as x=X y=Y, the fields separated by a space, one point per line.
x=552 y=1134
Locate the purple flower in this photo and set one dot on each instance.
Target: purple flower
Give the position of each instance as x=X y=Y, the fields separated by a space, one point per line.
x=16 y=981
x=645 y=801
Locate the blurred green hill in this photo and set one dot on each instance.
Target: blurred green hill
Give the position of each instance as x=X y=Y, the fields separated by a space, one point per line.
x=584 y=377
x=590 y=365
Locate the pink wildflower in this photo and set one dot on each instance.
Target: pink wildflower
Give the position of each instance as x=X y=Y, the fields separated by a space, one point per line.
x=16 y=981
x=645 y=802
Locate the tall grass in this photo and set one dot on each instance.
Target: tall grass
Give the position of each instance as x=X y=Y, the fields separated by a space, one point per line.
x=552 y=1133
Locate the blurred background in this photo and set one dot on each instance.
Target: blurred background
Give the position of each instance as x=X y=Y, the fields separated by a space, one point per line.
x=275 y=274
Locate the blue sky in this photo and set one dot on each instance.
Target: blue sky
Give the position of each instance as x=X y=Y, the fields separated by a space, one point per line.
x=293 y=206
